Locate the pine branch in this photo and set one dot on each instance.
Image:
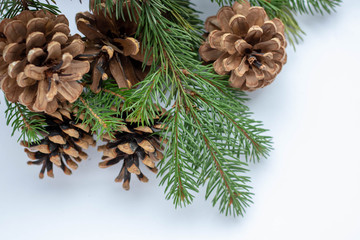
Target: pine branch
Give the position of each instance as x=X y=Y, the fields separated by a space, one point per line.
x=30 y=124
x=221 y=170
x=98 y=112
x=178 y=173
x=228 y=134
x=314 y=6
x=211 y=133
x=11 y=8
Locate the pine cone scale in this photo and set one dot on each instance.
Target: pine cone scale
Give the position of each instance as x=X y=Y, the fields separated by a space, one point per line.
x=13 y=51
x=70 y=90
x=36 y=25
x=224 y=15
x=104 y=30
x=64 y=142
x=34 y=40
x=132 y=145
x=219 y=64
x=209 y=53
x=117 y=71
x=15 y=31
x=239 y=25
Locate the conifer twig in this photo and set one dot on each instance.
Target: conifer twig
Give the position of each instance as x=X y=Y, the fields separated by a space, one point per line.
x=25 y=4
x=30 y=124
x=203 y=102
x=114 y=93
x=96 y=116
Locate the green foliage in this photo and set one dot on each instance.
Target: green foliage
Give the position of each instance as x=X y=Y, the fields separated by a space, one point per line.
x=314 y=6
x=30 y=124
x=224 y=2
x=132 y=7
x=209 y=131
x=99 y=111
x=10 y=8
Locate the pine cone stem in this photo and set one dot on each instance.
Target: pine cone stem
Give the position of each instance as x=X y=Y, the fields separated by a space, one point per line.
x=25 y=4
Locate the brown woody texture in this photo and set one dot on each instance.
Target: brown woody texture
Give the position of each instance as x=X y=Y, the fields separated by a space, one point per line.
x=112 y=47
x=244 y=43
x=63 y=143
x=132 y=144
x=37 y=66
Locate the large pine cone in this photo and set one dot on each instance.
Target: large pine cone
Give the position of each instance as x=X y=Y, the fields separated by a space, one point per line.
x=37 y=66
x=244 y=43
x=134 y=144
x=65 y=141
x=111 y=44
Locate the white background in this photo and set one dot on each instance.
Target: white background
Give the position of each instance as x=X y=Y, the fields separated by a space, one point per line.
x=309 y=188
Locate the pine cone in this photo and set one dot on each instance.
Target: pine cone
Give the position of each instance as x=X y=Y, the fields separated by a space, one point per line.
x=244 y=43
x=65 y=140
x=134 y=144
x=112 y=46
x=37 y=66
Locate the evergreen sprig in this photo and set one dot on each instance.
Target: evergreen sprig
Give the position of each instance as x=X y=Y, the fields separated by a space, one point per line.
x=209 y=131
x=286 y=10
x=98 y=112
x=30 y=124
x=11 y=8
x=314 y=6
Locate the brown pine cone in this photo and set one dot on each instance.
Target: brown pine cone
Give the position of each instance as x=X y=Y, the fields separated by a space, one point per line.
x=37 y=66
x=134 y=144
x=244 y=43
x=63 y=144
x=111 y=45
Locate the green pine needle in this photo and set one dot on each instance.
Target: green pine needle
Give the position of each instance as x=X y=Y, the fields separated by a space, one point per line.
x=98 y=112
x=11 y=8
x=209 y=130
x=30 y=124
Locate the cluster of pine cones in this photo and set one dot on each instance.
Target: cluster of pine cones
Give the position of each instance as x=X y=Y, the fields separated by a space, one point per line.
x=41 y=65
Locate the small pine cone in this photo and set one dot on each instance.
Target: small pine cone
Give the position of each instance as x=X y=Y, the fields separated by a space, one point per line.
x=244 y=43
x=133 y=144
x=37 y=66
x=63 y=144
x=111 y=47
